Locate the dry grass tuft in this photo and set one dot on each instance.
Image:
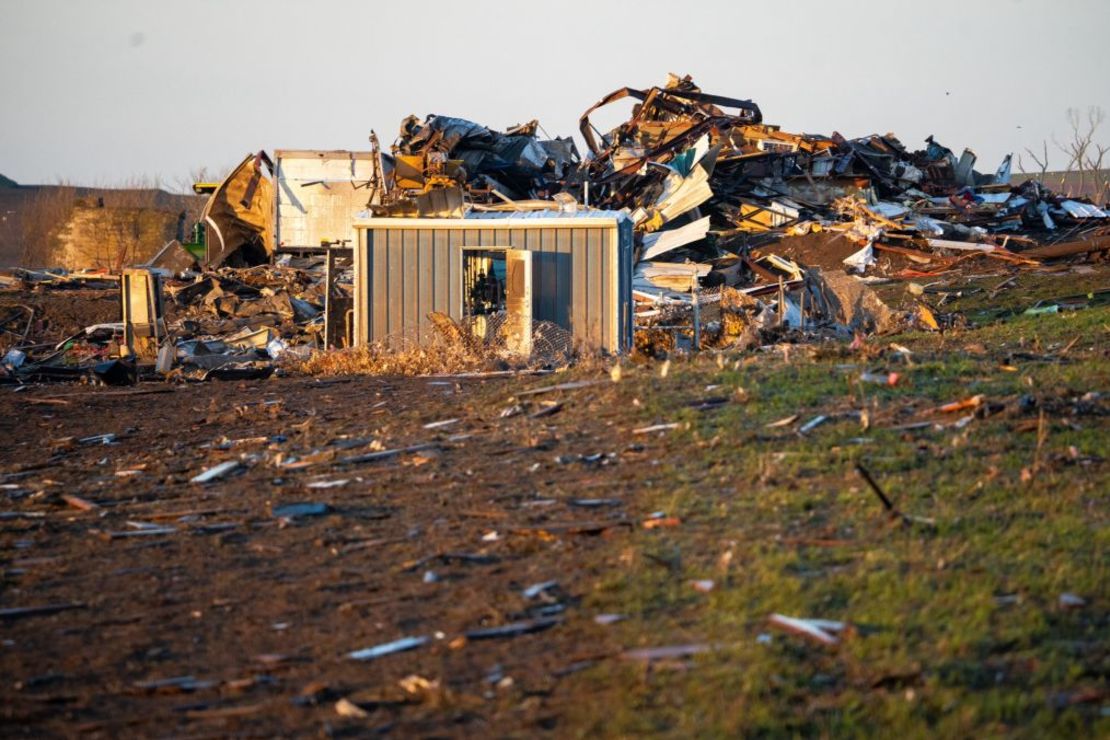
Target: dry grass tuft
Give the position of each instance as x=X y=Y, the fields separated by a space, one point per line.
x=435 y=357
x=449 y=348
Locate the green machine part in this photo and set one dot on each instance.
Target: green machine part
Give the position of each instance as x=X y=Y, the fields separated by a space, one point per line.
x=198 y=245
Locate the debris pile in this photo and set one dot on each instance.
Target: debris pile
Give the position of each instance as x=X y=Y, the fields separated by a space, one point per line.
x=743 y=231
x=227 y=323
x=722 y=199
x=439 y=155
x=232 y=323
x=718 y=193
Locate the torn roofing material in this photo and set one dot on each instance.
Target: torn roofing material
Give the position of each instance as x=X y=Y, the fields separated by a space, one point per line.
x=239 y=215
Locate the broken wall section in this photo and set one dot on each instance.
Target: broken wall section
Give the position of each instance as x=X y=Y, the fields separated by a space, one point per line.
x=112 y=237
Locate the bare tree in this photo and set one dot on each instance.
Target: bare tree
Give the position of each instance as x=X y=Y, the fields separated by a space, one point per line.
x=184 y=184
x=1085 y=155
x=39 y=221
x=1040 y=160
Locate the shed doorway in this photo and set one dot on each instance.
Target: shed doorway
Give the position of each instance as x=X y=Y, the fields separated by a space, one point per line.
x=497 y=296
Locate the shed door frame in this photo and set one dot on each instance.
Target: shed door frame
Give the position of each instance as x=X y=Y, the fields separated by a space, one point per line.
x=518 y=294
x=518 y=301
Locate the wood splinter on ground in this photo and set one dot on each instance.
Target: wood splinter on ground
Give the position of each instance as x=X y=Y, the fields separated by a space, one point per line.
x=824 y=631
x=895 y=513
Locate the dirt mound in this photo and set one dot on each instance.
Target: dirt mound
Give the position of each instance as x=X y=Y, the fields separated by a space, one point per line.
x=57 y=314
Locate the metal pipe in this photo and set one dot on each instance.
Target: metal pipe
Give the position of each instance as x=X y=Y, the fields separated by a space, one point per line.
x=697 y=313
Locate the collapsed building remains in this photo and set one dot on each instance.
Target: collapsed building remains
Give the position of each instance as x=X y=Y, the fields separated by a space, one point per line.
x=729 y=228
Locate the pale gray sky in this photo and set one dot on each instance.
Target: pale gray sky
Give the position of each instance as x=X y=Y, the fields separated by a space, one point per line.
x=103 y=92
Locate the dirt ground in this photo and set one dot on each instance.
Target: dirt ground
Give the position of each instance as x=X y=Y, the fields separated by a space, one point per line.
x=58 y=314
x=136 y=603
x=263 y=610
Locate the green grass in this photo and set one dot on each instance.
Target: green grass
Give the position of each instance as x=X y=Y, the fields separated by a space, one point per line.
x=956 y=629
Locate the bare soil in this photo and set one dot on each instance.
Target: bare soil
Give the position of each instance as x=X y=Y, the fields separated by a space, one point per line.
x=155 y=606
x=58 y=313
x=266 y=609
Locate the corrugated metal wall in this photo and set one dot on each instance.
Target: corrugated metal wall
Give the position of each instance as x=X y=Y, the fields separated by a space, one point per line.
x=581 y=275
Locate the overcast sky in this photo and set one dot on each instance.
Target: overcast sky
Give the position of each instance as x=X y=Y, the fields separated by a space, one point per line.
x=102 y=93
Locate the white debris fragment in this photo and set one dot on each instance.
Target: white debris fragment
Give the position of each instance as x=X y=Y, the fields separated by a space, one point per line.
x=216 y=472
x=656 y=428
x=388 y=648
x=1072 y=601
x=329 y=483
x=812 y=424
x=821 y=630
x=538 y=588
x=347 y=708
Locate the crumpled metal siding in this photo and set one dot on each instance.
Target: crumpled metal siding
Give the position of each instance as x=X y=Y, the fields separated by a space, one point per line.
x=600 y=215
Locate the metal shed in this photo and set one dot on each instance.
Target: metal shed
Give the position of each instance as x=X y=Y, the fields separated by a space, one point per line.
x=580 y=275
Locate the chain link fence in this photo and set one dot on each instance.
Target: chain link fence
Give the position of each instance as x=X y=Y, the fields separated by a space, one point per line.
x=550 y=343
